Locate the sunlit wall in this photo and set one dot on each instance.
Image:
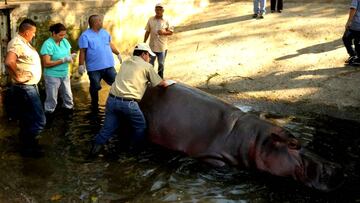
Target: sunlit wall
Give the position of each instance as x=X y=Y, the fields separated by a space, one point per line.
x=124 y=19
x=127 y=19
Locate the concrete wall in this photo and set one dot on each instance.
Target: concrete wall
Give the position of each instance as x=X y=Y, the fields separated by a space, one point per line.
x=73 y=14
x=124 y=19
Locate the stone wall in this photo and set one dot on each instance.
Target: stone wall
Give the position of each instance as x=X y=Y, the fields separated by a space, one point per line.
x=73 y=14
x=124 y=19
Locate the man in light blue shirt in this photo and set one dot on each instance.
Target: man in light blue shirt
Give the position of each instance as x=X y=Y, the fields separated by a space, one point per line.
x=96 y=52
x=352 y=32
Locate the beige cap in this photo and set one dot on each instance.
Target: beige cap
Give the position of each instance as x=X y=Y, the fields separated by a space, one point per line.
x=144 y=47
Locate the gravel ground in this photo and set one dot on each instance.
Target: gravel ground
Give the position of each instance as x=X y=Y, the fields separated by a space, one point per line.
x=290 y=60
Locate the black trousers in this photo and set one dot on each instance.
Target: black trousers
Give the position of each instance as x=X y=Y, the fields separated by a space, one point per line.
x=349 y=38
x=276 y=3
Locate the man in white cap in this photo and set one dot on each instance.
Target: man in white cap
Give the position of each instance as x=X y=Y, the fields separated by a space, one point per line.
x=129 y=87
x=158 y=29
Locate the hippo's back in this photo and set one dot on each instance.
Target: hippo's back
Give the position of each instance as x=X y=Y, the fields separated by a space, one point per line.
x=185 y=119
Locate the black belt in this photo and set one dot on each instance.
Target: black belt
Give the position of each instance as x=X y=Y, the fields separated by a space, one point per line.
x=123 y=98
x=24 y=85
x=21 y=84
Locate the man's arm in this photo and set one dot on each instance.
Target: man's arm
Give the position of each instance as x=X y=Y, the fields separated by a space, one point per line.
x=146 y=36
x=82 y=55
x=10 y=64
x=166 y=31
x=351 y=16
x=114 y=49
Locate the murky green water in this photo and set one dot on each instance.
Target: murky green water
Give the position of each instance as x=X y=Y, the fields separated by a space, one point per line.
x=157 y=175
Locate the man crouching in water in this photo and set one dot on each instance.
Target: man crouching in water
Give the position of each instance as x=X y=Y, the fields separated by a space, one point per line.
x=125 y=93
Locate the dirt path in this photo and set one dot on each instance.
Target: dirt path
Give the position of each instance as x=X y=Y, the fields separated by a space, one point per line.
x=293 y=58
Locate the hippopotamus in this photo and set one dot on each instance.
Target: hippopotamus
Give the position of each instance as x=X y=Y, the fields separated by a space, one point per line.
x=186 y=119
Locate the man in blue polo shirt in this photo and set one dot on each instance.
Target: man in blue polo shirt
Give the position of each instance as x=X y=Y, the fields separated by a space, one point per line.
x=96 y=51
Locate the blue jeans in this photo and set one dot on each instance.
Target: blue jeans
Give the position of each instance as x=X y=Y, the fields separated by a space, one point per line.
x=259 y=9
x=54 y=86
x=350 y=38
x=117 y=110
x=28 y=109
x=161 y=61
x=107 y=74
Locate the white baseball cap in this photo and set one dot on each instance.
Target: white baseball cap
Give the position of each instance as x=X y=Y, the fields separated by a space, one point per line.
x=144 y=47
x=159 y=5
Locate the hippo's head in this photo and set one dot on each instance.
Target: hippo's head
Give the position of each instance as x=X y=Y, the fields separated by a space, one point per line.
x=278 y=152
x=319 y=173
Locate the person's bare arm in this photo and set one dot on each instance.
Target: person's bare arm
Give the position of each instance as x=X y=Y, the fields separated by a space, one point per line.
x=48 y=63
x=351 y=16
x=10 y=64
x=114 y=49
x=146 y=36
x=165 y=32
x=82 y=55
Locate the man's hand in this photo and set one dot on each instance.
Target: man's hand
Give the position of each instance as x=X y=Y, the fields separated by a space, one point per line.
x=348 y=23
x=120 y=59
x=66 y=59
x=169 y=82
x=82 y=69
x=162 y=32
x=166 y=83
x=166 y=31
x=73 y=56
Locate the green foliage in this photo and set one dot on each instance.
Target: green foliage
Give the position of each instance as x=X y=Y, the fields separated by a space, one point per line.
x=43 y=33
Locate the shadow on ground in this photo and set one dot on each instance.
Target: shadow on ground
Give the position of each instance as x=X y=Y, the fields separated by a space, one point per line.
x=315 y=49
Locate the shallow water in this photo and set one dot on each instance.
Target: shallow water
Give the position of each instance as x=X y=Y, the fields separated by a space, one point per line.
x=157 y=175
